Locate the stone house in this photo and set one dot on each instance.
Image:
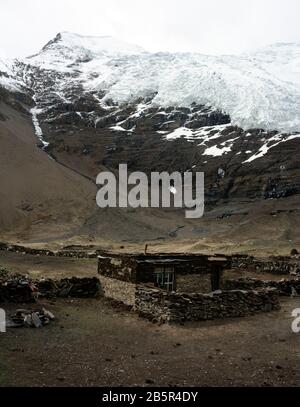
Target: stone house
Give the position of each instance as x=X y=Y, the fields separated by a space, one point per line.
x=177 y=287
x=168 y=272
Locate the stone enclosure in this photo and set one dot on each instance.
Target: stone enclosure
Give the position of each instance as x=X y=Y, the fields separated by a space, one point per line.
x=176 y=288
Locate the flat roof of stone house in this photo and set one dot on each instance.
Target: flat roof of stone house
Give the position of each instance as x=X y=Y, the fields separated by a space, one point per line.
x=139 y=255
x=165 y=258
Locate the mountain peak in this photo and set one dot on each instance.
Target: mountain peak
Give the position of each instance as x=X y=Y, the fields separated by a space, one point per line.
x=93 y=44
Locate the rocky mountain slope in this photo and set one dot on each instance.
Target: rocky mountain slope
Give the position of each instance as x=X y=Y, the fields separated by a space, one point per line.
x=95 y=102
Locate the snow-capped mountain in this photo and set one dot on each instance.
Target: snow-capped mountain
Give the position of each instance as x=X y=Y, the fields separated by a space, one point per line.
x=257 y=90
x=100 y=97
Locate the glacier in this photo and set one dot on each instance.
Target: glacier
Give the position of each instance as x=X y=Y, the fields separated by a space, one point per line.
x=258 y=89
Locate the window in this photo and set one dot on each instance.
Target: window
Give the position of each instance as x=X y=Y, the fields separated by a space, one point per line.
x=165 y=278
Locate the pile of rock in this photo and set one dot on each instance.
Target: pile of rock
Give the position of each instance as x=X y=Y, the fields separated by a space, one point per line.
x=30 y=318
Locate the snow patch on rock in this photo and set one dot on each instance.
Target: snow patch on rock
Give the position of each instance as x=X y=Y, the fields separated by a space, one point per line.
x=216 y=151
x=38 y=131
x=272 y=142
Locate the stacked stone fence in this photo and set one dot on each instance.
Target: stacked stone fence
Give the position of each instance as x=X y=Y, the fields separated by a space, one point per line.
x=276 y=265
x=283 y=287
x=44 y=252
x=21 y=289
x=162 y=307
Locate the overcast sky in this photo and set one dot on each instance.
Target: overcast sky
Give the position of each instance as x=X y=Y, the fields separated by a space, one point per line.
x=206 y=26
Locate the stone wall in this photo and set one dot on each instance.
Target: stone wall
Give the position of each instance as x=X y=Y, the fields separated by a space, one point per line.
x=194 y=283
x=178 y=308
x=17 y=291
x=68 y=287
x=44 y=252
x=283 y=287
x=117 y=290
x=275 y=265
x=21 y=289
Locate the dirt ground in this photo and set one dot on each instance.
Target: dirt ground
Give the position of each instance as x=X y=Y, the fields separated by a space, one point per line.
x=94 y=344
